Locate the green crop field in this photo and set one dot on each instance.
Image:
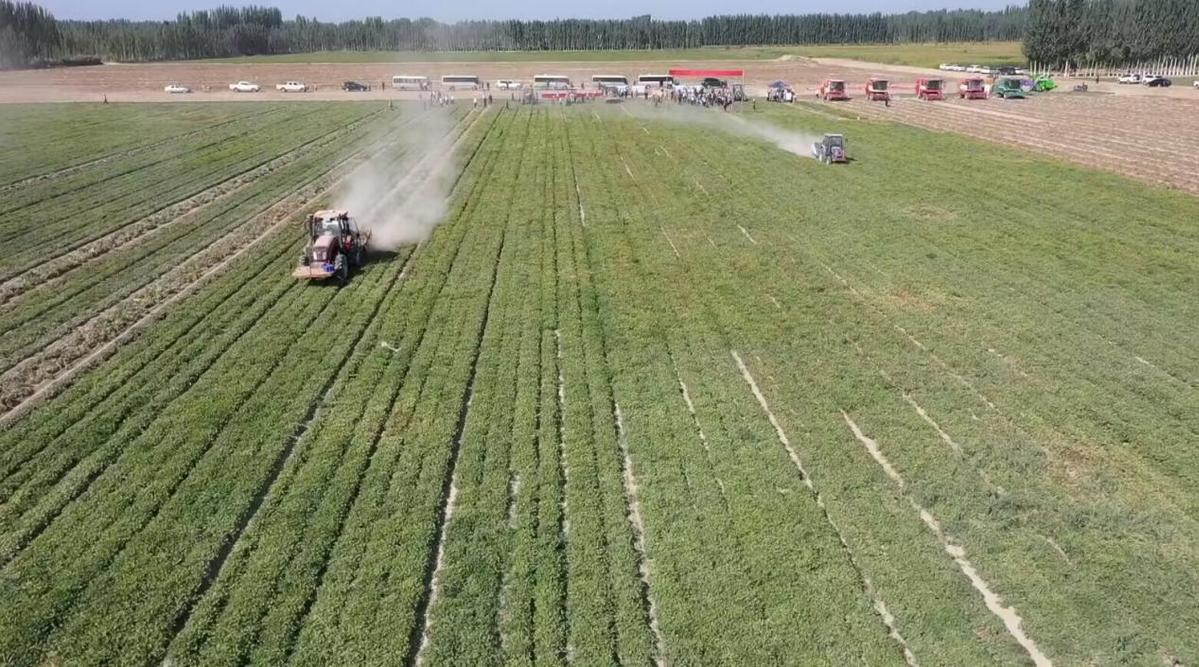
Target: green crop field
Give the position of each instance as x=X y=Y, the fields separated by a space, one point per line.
x=919 y=55
x=652 y=392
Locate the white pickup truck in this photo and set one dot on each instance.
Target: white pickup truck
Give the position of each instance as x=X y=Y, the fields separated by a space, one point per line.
x=291 y=87
x=244 y=87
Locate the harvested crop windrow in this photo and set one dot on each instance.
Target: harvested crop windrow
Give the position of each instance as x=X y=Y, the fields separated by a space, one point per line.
x=179 y=213
x=34 y=377
x=102 y=131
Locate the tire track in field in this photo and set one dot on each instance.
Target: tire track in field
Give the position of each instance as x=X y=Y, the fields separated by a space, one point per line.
x=104 y=159
x=42 y=275
x=215 y=567
x=866 y=585
x=39 y=376
x=419 y=638
x=1006 y=614
x=880 y=607
x=631 y=499
x=435 y=562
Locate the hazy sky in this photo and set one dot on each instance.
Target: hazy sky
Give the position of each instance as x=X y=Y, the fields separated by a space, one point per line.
x=454 y=10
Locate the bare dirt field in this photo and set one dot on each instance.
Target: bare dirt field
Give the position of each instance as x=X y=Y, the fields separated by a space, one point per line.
x=1149 y=134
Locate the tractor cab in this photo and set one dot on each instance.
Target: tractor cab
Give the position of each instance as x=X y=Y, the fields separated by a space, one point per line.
x=830 y=149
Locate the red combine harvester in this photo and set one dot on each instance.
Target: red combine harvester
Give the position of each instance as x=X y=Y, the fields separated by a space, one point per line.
x=876 y=90
x=832 y=90
x=930 y=89
x=972 y=89
x=334 y=245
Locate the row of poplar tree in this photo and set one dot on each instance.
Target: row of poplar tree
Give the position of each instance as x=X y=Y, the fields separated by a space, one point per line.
x=229 y=31
x=1054 y=32
x=1110 y=32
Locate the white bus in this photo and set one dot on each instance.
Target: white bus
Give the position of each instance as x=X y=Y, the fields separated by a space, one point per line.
x=603 y=80
x=555 y=81
x=406 y=82
x=659 y=80
x=456 y=81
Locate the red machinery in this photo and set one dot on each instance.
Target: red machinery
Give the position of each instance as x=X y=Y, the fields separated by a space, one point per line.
x=335 y=243
x=832 y=90
x=972 y=89
x=930 y=89
x=877 y=90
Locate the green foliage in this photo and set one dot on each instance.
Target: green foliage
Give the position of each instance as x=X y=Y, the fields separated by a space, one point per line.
x=1110 y=31
x=263 y=476
x=229 y=32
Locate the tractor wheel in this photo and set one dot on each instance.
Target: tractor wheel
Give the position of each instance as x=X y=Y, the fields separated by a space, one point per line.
x=341 y=269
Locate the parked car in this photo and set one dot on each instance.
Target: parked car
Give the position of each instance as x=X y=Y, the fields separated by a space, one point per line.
x=1158 y=82
x=176 y=88
x=1006 y=70
x=507 y=84
x=986 y=71
x=1129 y=78
x=355 y=87
x=1196 y=83
x=291 y=87
x=244 y=87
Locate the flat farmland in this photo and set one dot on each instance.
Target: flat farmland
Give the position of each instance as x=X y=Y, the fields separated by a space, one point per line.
x=655 y=391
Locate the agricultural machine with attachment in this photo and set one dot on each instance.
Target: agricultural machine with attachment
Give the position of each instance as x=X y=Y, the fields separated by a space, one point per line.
x=972 y=89
x=832 y=90
x=1008 y=88
x=877 y=90
x=335 y=245
x=830 y=149
x=930 y=89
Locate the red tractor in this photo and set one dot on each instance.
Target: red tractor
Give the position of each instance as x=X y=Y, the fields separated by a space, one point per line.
x=335 y=244
x=930 y=89
x=972 y=89
x=832 y=90
x=877 y=90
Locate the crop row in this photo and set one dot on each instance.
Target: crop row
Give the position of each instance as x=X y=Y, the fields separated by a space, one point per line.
x=177 y=214
x=76 y=217
x=47 y=311
x=234 y=414
x=732 y=529
x=115 y=320
x=50 y=141
x=101 y=402
x=985 y=449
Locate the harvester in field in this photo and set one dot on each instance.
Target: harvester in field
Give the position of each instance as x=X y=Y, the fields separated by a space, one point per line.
x=972 y=89
x=830 y=149
x=930 y=89
x=335 y=245
x=877 y=90
x=832 y=90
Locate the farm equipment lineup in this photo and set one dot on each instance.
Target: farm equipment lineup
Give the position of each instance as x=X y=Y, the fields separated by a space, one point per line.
x=335 y=245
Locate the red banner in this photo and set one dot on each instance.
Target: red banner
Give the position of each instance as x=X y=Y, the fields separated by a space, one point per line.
x=715 y=73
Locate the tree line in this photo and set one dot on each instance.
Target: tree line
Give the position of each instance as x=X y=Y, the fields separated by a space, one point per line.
x=1110 y=32
x=230 y=31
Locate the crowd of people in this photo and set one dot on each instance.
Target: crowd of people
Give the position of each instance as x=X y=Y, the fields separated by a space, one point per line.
x=703 y=97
